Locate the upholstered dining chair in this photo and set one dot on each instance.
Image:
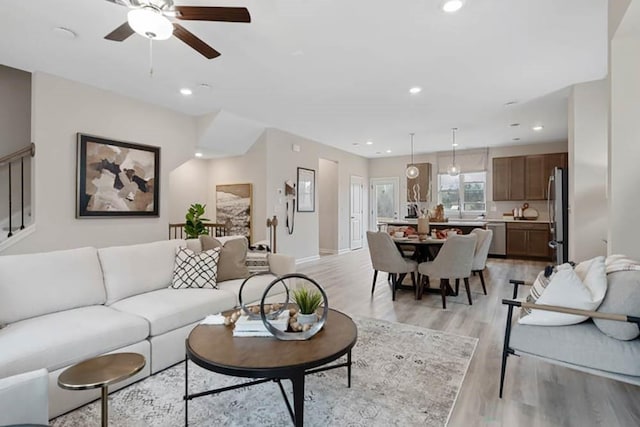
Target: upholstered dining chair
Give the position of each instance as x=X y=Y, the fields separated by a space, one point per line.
x=481 y=253
x=454 y=261
x=386 y=257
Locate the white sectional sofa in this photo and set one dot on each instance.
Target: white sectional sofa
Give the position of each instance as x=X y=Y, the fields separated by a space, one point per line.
x=59 y=308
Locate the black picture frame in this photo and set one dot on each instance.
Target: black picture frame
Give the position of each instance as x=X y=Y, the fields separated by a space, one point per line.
x=306 y=190
x=116 y=178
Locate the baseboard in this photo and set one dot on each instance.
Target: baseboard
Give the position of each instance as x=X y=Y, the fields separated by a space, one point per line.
x=307 y=259
x=328 y=251
x=345 y=251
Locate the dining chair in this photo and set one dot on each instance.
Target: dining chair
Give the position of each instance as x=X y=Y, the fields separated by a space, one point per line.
x=454 y=261
x=386 y=257
x=481 y=253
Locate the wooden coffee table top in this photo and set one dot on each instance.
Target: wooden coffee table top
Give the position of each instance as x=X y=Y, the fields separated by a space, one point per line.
x=213 y=347
x=101 y=371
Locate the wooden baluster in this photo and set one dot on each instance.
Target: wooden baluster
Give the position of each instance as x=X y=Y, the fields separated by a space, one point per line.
x=10 y=210
x=22 y=190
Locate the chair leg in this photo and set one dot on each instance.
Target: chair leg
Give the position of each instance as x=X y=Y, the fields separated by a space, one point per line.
x=457 y=287
x=415 y=284
x=389 y=276
x=394 y=282
x=444 y=284
x=375 y=277
x=482 y=281
x=466 y=285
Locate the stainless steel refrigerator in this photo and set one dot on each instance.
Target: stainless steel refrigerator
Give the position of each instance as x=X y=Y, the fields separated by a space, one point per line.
x=557 y=205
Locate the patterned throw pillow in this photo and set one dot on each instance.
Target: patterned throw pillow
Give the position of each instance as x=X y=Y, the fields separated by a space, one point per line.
x=257 y=261
x=195 y=270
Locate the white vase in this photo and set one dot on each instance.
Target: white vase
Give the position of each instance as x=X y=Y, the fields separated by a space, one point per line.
x=307 y=319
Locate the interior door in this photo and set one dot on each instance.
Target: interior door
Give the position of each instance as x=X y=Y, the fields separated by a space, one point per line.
x=385 y=201
x=357 y=211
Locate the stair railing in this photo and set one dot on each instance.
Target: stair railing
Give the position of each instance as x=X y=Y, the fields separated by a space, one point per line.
x=9 y=160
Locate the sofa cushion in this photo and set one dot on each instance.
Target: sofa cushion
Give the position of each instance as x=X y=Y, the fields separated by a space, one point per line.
x=253 y=290
x=32 y=285
x=233 y=257
x=581 y=344
x=195 y=270
x=60 y=339
x=136 y=269
x=169 y=309
x=623 y=297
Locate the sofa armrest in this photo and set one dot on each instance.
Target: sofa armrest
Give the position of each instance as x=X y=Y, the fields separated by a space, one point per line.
x=567 y=310
x=24 y=398
x=280 y=264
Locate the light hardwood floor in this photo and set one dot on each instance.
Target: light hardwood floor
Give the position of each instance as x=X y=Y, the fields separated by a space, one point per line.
x=536 y=393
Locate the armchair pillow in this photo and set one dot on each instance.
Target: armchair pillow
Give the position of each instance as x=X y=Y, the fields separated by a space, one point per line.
x=566 y=288
x=233 y=256
x=195 y=270
x=623 y=297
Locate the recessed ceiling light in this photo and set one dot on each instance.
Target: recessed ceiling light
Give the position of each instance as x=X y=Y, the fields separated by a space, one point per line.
x=186 y=91
x=455 y=144
x=369 y=142
x=388 y=151
x=64 y=33
x=451 y=6
x=538 y=128
x=198 y=154
x=415 y=90
x=510 y=103
x=513 y=125
x=516 y=139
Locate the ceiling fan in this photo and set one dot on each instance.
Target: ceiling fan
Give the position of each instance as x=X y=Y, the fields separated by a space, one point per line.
x=153 y=20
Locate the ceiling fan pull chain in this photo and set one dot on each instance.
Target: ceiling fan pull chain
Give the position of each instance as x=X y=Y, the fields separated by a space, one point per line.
x=150 y=57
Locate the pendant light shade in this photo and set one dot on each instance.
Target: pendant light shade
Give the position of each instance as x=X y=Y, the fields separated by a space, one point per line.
x=453 y=169
x=412 y=171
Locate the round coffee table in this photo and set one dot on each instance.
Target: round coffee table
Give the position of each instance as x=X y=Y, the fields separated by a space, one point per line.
x=100 y=372
x=214 y=348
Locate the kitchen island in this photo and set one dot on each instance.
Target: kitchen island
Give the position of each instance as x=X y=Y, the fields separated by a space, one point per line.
x=465 y=225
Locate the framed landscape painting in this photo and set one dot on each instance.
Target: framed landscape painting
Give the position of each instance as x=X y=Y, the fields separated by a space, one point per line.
x=116 y=179
x=233 y=203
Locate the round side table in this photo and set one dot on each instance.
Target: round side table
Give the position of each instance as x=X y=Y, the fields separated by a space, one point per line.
x=100 y=372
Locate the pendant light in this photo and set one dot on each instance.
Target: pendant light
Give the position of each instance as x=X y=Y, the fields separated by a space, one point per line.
x=453 y=170
x=412 y=171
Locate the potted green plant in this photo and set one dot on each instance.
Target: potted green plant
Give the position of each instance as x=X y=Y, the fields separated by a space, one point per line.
x=308 y=302
x=194 y=225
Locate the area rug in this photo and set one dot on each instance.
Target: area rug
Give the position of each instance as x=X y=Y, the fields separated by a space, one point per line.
x=402 y=375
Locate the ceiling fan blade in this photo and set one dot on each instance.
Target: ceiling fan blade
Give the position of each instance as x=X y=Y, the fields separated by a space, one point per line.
x=189 y=38
x=212 y=13
x=121 y=33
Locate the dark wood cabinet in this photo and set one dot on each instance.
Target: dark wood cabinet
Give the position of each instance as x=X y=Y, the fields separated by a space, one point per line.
x=508 y=178
x=420 y=184
x=528 y=240
x=522 y=178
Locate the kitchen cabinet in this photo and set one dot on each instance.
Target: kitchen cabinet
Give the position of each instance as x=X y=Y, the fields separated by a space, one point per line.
x=524 y=177
x=529 y=240
x=509 y=178
x=420 y=185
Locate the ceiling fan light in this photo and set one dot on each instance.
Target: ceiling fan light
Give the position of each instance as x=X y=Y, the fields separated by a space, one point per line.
x=412 y=172
x=150 y=23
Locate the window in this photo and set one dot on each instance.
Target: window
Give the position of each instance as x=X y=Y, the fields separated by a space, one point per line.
x=466 y=190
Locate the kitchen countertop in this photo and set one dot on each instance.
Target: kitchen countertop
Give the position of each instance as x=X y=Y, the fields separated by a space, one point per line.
x=539 y=221
x=460 y=222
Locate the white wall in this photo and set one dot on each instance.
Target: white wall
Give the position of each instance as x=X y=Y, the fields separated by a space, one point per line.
x=62 y=108
x=189 y=184
x=588 y=142
x=15 y=133
x=250 y=168
x=282 y=164
x=328 y=211
x=624 y=148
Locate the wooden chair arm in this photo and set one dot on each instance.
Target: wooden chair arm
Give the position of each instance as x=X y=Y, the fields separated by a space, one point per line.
x=567 y=310
x=515 y=284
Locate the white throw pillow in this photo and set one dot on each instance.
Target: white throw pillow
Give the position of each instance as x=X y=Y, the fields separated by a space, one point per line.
x=565 y=289
x=593 y=274
x=195 y=270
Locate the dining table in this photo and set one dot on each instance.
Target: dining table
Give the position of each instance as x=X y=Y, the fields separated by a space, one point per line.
x=423 y=250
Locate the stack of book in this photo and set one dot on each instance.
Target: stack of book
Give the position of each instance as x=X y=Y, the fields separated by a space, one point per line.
x=245 y=327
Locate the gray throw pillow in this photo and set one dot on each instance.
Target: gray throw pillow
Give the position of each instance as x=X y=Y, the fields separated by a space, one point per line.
x=623 y=297
x=233 y=257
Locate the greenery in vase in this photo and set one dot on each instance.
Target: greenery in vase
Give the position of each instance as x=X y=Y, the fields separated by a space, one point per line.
x=194 y=225
x=308 y=301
